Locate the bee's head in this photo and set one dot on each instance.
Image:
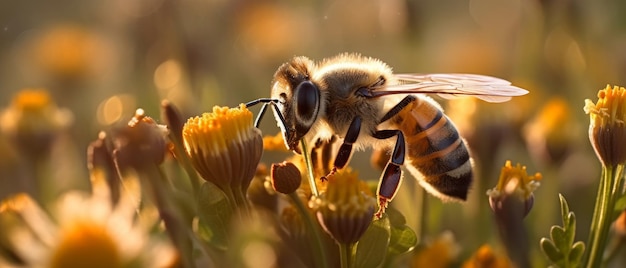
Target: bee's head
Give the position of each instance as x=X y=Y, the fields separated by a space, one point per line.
x=299 y=100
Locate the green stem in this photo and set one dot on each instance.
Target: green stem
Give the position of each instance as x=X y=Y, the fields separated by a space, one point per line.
x=176 y=228
x=318 y=247
x=602 y=215
x=185 y=161
x=242 y=201
x=309 y=168
x=420 y=204
x=345 y=253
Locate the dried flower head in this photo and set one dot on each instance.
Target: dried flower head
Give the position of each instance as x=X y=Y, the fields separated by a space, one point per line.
x=101 y=164
x=607 y=127
x=33 y=120
x=224 y=146
x=172 y=117
x=140 y=143
x=345 y=209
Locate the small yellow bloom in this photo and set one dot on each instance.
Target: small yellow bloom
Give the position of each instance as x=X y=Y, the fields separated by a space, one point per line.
x=484 y=257
x=607 y=127
x=439 y=254
x=33 y=120
x=515 y=180
x=69 y=52
x=224 y=146
x=551 y=133
x=346 y=208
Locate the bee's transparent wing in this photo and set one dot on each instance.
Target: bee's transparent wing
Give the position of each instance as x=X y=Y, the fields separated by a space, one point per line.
x=448 y=86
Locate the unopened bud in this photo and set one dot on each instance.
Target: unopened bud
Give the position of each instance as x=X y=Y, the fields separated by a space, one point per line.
x=286 y=177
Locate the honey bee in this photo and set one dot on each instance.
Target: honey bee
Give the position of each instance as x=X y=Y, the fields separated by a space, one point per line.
x=361 y=101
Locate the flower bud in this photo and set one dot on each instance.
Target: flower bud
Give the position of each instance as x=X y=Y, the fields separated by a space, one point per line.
x=286 y=177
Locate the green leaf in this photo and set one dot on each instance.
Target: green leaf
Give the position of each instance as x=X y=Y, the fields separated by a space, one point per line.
x=620 y=206
x=550 y=250
x=576 y=254
x=372 y=247
x=214 y=215
x=402 y=240
x=559 y=248
x=564 y=210
x=559 y=238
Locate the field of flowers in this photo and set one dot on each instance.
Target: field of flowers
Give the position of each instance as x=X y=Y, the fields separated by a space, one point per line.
x=125 y=140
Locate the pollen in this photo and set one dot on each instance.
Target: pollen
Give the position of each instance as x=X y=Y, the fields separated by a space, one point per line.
x=607 y=128
x=516 y=179
x=86 y=244
x=217 y=129
x=610 y=108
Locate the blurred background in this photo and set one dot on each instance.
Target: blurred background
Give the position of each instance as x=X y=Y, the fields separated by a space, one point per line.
x=101 y=60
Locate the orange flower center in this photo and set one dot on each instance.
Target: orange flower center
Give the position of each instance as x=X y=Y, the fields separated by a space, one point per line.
x=86 y=244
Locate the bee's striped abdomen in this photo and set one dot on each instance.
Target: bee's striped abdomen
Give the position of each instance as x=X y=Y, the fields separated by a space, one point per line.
x=435 y=150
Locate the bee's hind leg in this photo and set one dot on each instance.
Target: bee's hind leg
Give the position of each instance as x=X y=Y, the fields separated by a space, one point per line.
x=345 y=151
x=391 y=177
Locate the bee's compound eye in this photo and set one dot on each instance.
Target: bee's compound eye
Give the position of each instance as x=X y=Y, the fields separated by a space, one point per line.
x=307 y=101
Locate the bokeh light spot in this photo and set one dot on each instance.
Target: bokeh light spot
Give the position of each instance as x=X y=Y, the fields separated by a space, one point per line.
x=259 y=254
x=112 y=109
x=167 y=74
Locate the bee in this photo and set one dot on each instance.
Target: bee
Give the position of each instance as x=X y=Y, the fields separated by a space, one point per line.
x=360 y=100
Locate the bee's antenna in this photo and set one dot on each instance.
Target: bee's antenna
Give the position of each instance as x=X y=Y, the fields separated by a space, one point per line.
x=266 y=102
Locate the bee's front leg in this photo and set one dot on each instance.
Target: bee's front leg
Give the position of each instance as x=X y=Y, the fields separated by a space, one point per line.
x=391 y=178
x=345 y=151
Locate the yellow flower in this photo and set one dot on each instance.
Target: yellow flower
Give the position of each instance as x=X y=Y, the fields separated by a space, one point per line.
x=69 y=52
x=551 y=133
x=224 y=146
x=484 y=257
x=515 y=180
x=84 y=231
x=346 y=208
x=607 y=127
x=33 y=120
x=511 y=200
x=274 y=143
x=438 y=254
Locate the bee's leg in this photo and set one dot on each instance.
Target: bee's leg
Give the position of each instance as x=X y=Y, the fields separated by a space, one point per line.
x=392 y=175
x=397 y=108
x=322 y=155
x=345 y=151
